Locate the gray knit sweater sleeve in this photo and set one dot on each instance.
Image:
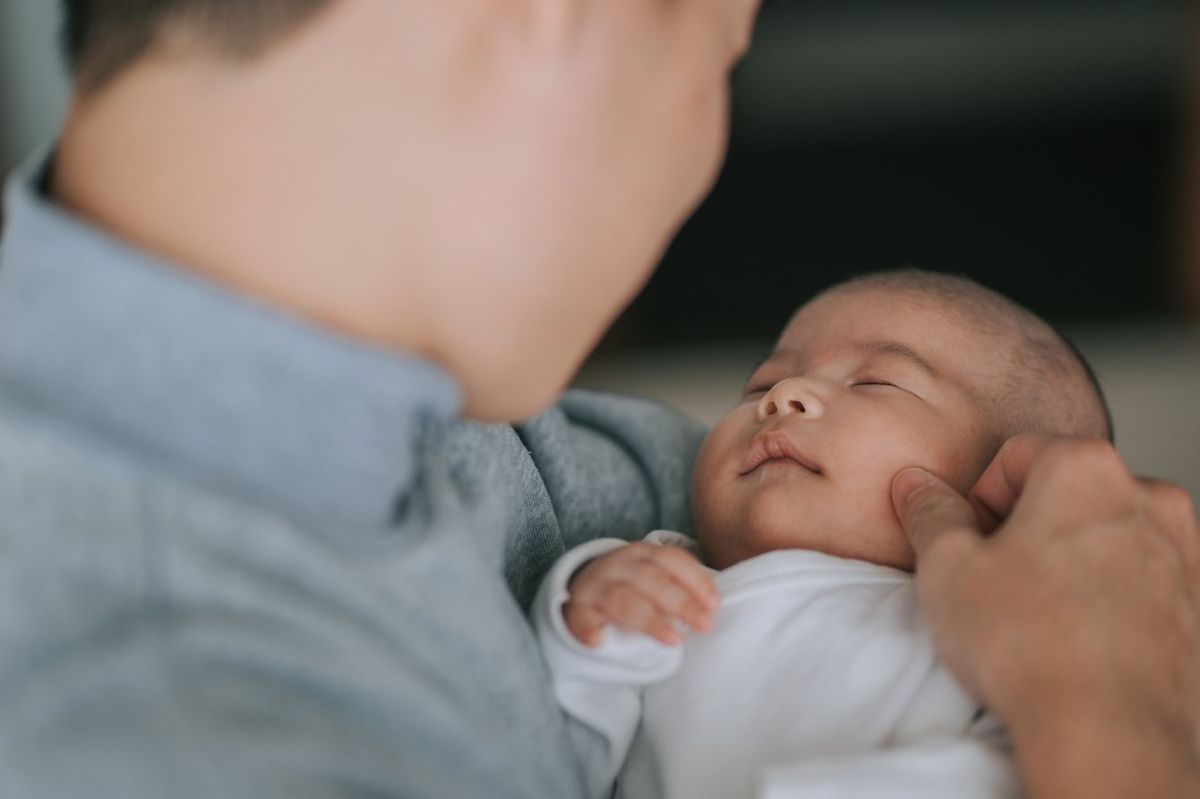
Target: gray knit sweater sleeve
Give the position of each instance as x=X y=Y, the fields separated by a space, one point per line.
x=594 y=465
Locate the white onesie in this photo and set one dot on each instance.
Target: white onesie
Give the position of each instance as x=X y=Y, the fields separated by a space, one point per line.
x=818 y=680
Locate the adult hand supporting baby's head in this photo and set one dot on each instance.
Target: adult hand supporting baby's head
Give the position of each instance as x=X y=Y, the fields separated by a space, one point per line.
x=1077 y=621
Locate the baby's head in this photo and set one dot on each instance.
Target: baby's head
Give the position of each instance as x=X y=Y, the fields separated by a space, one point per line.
x=880 y=373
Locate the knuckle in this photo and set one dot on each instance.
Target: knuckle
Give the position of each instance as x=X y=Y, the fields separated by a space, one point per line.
x=642 y=571
x=1091 y=461
x=1021 y=441
x=582 y=585
x=675 y=556
x=638 y=550
x=1028 y=445
x=613 y=601
x=628 y=605
x=592 y=573
x=1097 y=454
x=673 y=598
x=650 y=579
x=1174 y=500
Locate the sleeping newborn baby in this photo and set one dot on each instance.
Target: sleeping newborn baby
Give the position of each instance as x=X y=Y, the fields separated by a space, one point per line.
x=781 y=653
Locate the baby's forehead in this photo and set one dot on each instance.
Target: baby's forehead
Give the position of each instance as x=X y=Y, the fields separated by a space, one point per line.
x=845 y=317
x=1013 y=362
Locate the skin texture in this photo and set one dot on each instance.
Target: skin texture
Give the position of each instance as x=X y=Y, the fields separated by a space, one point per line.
x=644 y=588
x=860 y=385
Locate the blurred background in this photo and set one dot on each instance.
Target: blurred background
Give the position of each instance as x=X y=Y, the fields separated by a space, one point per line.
x=1043 y=147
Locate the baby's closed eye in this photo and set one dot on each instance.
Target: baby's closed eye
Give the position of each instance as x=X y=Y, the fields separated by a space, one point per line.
x=882 y=385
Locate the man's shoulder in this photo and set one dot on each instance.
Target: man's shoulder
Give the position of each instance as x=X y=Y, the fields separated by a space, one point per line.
x=94 y=516
x=47 y=467
x=163 y=602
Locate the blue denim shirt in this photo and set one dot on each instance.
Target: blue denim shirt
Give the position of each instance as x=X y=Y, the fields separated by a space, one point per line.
x=242 y=556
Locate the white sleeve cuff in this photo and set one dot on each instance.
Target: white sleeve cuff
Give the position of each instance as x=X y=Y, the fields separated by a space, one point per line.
x=621 y=657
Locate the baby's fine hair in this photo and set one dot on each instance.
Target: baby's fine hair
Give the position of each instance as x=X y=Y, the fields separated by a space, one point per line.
x=1048 y=385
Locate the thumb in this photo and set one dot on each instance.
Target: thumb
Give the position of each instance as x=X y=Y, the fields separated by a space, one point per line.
x=932 y=512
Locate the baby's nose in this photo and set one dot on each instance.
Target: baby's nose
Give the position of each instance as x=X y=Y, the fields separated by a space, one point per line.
x=793 y=395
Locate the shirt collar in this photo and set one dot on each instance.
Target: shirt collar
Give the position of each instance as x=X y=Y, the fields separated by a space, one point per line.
x=110 y=337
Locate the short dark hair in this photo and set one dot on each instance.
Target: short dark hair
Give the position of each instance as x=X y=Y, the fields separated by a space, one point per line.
x=100 y=38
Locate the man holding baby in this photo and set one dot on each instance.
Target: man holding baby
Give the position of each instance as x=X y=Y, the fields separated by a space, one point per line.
x=278 y=249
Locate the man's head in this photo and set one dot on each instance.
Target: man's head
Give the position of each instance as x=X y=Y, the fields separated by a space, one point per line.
x=884 y=372
x=483 y=182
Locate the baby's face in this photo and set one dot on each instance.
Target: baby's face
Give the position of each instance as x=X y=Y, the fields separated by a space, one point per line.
x=861 y=385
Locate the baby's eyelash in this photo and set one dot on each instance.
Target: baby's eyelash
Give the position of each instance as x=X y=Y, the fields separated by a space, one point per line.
x=873 y=383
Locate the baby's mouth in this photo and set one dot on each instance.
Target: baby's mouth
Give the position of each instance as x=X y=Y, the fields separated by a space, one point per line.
x=773 y=445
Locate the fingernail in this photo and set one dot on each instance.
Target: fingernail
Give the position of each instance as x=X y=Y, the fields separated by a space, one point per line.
x=908 y=482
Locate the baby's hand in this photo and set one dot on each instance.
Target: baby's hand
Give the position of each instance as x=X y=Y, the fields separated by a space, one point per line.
x=642 y=588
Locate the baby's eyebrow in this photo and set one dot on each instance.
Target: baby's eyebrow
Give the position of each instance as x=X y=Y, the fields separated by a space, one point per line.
x=891 y=347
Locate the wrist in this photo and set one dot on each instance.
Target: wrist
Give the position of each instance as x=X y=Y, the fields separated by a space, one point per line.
x=1076 y=743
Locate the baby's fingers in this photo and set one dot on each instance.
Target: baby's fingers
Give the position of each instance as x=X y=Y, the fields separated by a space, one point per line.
x=584 y=622
x=672 y=599
x=630 y=610
x=688 y=572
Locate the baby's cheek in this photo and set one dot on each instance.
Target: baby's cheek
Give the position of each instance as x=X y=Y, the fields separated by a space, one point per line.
x=866 y=500
x=870 y=523
x=706 y=471
x=956 y=462
x=712 y=481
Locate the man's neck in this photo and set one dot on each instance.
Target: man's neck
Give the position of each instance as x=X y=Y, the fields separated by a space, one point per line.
x=231 y=171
